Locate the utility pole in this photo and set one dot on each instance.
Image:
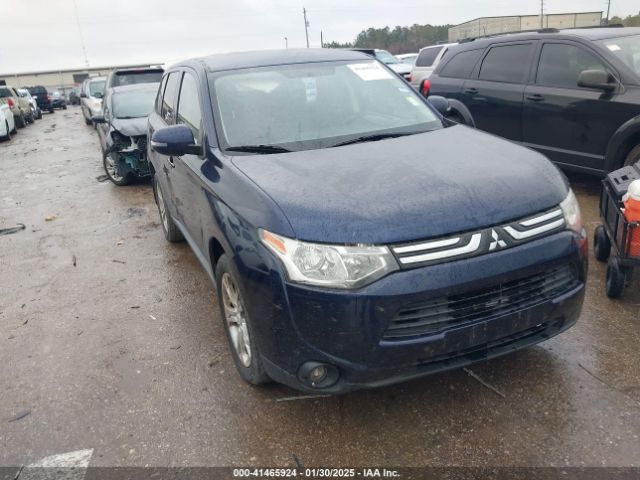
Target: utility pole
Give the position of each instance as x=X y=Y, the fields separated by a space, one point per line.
x=84 y=49
x=541 y=13
x=286 y=42
x=321 y=41
x=608 y=9
x=306 y=25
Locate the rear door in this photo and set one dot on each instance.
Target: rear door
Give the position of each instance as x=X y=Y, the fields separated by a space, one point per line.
x=449 y=79
x=570 y=124
x=495 y=93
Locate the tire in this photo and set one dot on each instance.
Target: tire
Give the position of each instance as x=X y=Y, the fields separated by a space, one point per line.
x=87 y=121
x=64 y=108
x=616 y=278
x=52 y=110
x=601 y=244
x=7 y=137
x=111 y=170
x=171 y=231
x=39 y=116
x=30 y=118
x=20 y=121
x=237 y=323
x=633 y=157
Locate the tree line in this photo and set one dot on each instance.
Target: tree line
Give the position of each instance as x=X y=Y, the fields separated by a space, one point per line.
x=629 y=21
x=397 y=40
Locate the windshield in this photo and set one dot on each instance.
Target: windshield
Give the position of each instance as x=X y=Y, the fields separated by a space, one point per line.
x=315 y=105
x=626 y=49
x=132 y=78
x=386 y=57
x=410 y=59
x=5 y=92
x=133 y=104
x=96 y=87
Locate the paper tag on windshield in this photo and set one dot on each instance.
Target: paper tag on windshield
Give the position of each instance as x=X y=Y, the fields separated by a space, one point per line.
x=614 y=47
x=311 y=88
x=370 y=71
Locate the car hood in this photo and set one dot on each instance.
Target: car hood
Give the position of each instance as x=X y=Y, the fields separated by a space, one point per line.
x=427 y=185
x=400 y=68
x=132 y=127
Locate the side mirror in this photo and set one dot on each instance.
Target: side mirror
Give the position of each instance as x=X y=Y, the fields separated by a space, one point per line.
x=441 y=104
x=597 y=79
x=83 y=95
x=98 y=119
x=175 y=141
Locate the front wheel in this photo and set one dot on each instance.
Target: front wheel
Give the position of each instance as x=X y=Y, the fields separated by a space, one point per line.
x=237 y=323
x=601 y=244
x=20 y=121
x=616 y=278
x=111 y=169
x=633 y=157
x=171 y=231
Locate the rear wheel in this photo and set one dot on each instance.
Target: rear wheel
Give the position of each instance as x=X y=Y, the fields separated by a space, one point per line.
x=20 y=121
x=633 y=157
x=237 y=324
x=7 y=137
x=616 y=278
x=601 y=244
x=171 y=231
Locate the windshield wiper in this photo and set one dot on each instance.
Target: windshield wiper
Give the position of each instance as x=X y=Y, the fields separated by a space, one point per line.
x=258 y=149
x=373 y=138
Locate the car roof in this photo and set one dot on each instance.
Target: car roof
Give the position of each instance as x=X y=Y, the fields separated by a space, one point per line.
x=592 y=34
x=138 y=70
x=138 y=86
x=263 y=58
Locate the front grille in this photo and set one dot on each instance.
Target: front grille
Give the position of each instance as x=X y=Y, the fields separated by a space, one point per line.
x=460 y=310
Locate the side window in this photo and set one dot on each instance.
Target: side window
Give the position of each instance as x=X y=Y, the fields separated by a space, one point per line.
x=160 y=93
x=461 y=65
x=560 y=65
x=428 y=56
x=169 y=97
x=189 y=105
x=506 y=63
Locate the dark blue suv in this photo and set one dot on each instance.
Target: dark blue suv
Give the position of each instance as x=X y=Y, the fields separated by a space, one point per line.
x=355 y=237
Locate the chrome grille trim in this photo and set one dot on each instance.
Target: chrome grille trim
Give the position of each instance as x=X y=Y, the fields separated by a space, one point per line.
x=428 y=245
x=535 y=231
x=542 y=218
x=472 y=246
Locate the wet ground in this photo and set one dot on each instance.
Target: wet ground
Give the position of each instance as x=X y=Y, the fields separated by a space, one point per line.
x=111 y=340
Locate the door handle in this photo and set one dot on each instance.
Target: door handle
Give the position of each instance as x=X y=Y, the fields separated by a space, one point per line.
x=471 y=91
x=536 y=97
x=171 y=162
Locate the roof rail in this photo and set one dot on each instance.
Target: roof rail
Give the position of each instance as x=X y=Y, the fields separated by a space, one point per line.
x=538 y=30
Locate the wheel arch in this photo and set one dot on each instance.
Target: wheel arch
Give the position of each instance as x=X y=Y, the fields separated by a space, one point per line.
x=625 y=138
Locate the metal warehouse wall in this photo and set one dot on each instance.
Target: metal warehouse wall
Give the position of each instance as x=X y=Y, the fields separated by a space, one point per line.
x=494 y=25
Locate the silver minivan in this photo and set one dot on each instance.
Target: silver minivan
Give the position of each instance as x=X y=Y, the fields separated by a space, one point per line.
x=427 y=61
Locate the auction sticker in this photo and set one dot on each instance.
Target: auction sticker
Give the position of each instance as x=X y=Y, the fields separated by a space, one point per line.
x=370 y=71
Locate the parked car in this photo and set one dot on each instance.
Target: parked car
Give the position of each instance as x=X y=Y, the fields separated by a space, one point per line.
x=35 y=109
x=355 y=237
x=409 y=58
x=574 y=95
x=122 y=129
x=58 y=100
x=132 y=76
x=401 y=68
x=7 y=123
x=74 y=96
x=91 y=94
x=428 y=59
x=19 y=106
x=42 y=97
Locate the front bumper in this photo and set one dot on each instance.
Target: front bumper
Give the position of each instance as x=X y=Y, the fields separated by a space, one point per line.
x=297 y=324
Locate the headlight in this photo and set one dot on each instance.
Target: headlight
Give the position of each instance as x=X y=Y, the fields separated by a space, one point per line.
x=571 y=211
x=334 y=266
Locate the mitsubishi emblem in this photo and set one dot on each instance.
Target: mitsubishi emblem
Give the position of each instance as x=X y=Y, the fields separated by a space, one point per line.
x=496 y=242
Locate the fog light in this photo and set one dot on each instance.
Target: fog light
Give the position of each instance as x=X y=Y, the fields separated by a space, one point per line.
x=318 y=375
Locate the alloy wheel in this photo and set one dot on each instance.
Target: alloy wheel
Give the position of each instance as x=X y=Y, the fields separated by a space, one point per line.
x=236 y=319
x=112 y=170
x=162 y=208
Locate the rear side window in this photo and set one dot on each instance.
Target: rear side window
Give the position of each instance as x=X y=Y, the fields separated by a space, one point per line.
x=560 y=65
x=506 y=63
x=158 y=107
x=428 y=56
x=189 y=105
x=461 y=65
x=169 y=97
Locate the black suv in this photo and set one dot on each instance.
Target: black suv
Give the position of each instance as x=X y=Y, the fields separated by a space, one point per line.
x=42 y=97
x=574 y=95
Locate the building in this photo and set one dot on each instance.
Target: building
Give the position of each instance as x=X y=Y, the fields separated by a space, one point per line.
x=60 y=80
x=481 y=27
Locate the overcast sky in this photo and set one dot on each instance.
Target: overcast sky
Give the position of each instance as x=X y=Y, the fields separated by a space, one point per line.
x=44 y=34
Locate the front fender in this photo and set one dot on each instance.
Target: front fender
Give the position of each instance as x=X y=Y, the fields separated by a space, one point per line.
x=617 y=147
